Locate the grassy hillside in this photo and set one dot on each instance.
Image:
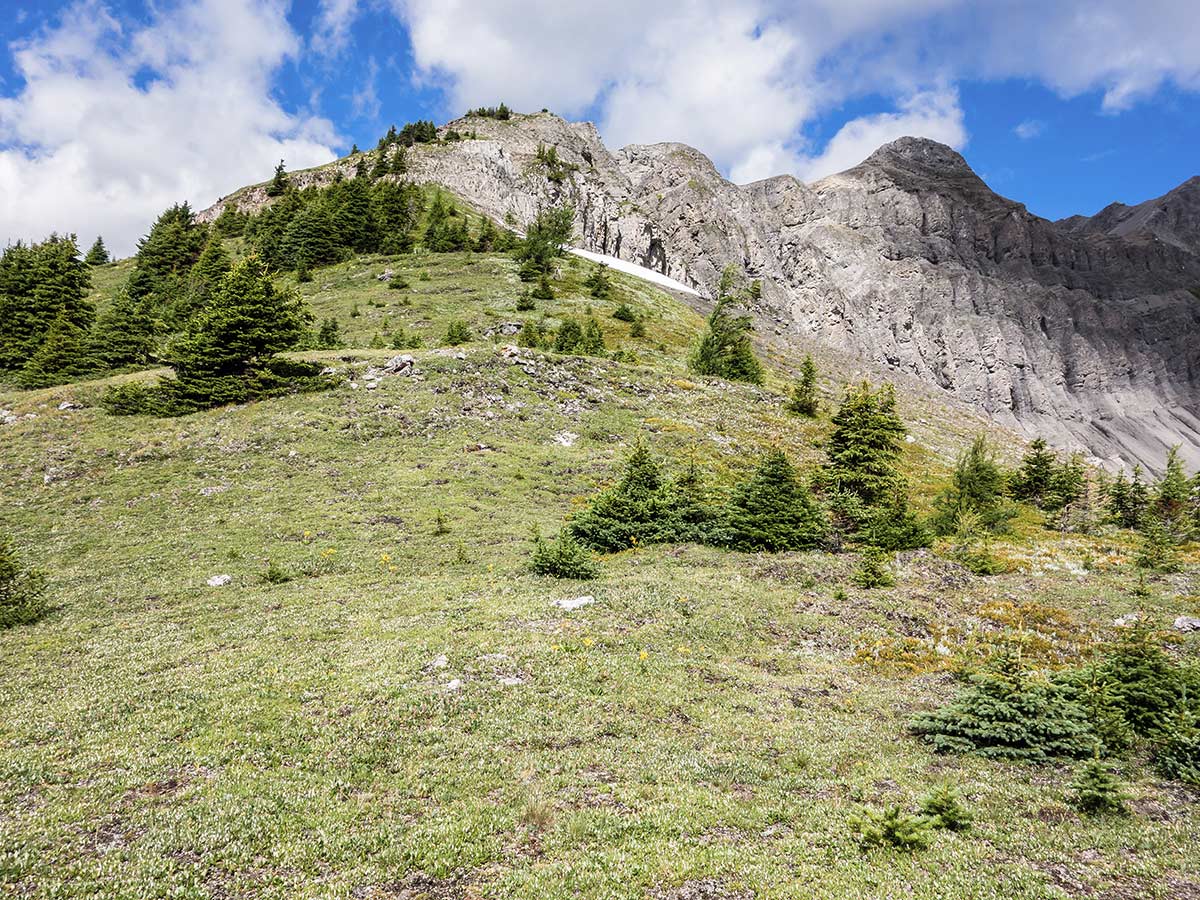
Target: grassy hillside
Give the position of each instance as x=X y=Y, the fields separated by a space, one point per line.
x=383 y=702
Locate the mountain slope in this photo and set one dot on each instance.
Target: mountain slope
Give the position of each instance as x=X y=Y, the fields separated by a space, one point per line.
x=1086 y=333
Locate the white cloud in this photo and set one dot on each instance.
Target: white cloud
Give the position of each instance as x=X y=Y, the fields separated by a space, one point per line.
x=1029 y=129
x=331 y=31
x=113 y=125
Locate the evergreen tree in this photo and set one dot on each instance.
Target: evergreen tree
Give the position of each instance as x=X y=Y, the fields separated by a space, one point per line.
x=353 y=219
x=1172 y=499
x=623 y=313
x=545 y=238
x=399 y=161
x=865 y=445
x=1128 y=499
x=22 y=590
x=598 y=282
x=125 y=334
x=311 y=239
x=226 y=353
x=804 y=401
x=873 y=570
x=231 y=222
x=212 y=266
x=726 y=350
x=591 y=341
x=1007 y=712
x=977 y=487
x=380 y=168
x=486 y=241
x=773 y=510
x=329 y=336
x=396 y=209
x=457 y=333
x=38 y=283
x=98 y=255
x=543 y=291
x=1157 y=551
x=1097 y=791
x=892 y=525
x=1177 y=752
x=569 y=334
x=170 y=248
x=279 y=183
x=563 y=557
x=1034 y=481
x=61 y=356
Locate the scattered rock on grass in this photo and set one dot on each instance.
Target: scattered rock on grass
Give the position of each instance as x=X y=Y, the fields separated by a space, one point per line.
x=570 y=604
x=219 y=580
x=1187 y=623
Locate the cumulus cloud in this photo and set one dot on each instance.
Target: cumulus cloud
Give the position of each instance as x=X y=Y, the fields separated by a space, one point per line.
x=742 y=79
x=1029 y=129
x=112 y=125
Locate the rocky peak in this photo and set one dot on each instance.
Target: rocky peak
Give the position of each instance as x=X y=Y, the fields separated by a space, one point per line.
x=920 y=156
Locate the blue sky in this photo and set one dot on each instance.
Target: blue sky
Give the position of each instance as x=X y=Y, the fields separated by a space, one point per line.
x=112 y=109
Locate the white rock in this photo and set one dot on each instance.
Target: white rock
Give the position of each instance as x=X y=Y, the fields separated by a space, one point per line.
x=438 y=662
x=1126 y=620
x=566 y=438
x=219 y=580
x=69 y=404
x=510 y=680
x=570 y=604
x=1187 y=623
x=454 y=686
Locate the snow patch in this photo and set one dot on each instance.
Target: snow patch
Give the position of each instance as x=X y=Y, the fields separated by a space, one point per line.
x=623 y=265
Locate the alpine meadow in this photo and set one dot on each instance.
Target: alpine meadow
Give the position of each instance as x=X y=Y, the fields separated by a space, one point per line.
x=489 y=513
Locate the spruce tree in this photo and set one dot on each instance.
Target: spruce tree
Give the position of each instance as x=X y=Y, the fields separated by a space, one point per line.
x=457 y=333
x=568 y=336
x=125 y=334
x=1007 y=712
x=642 y=508
x=212 y=266
x=977 y=487
x=624 y=313
x=726 y=349
x=873 y=570
x=598 y=282
x=279 y=182
x=1096 y=791
x=1034 y=481
x=39 y=283
x=865 y=445
x=894 y=526
x=591 y=341
x=170 y=248
x=563 y=557
x=329 y=336
x=545 y=238
x=543 y=290
x=804 y=400
x=773 y=510
x=353 y=219
x=61 y=356
x=311 y=239
x=98 y=254
x=486 y=242
x=1172 y=498
x=22 y=590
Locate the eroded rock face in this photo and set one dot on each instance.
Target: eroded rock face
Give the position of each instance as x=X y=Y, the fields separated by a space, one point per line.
x=1083 y=330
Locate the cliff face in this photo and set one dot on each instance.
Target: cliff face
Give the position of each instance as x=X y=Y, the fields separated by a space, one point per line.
x=1083 y=330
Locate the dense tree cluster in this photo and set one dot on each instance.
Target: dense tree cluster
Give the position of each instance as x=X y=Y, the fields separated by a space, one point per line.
x=500 y=112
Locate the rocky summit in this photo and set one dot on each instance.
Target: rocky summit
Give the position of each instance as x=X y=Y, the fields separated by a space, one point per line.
x=1085 y=330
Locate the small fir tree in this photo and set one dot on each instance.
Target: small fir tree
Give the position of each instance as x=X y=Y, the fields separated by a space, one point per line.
x=892 y=828
x=977 y=487
x=944 y=809
x=873 y=569
x=804 y=400
x=1157 y=551
x=773 y=510
x=1096 y=791
x=457 y=333
x=22 y=590
x=726 y=349
x=568 y=336
x=591 y=341
x=543 y=290
x=598 y=282
x=624 y=313
x=62 y=356
x=98 y=254
x=125 y=334
x=1034 y=481
x=329 y=335
x=1007 y=712
x=563 y=557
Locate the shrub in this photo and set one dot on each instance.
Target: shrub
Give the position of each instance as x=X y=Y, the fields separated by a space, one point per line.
x=591 y=340
x=873 y=570
x=892 y=828
x=943 y=809
x=1096 y=791
x=564 y=557
x=396 y=283
x=403 y=339
x=525 y=302
x=637 y=329
x=22 y=590
x=532 y=334
x=773 y=510
x=457 y=333
x=1157 y=550
x=329 y=335
x=624 y=313
x=598 y=283
x=894 y=526
x=543 y=290
x=1007 y=712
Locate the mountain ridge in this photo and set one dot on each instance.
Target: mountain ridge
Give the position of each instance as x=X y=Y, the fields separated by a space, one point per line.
x=908 y=260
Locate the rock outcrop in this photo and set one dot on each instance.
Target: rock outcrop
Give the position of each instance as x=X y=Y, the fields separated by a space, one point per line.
x=1084 y=330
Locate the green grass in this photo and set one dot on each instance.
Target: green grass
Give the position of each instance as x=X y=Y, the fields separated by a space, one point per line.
x=708 y=717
